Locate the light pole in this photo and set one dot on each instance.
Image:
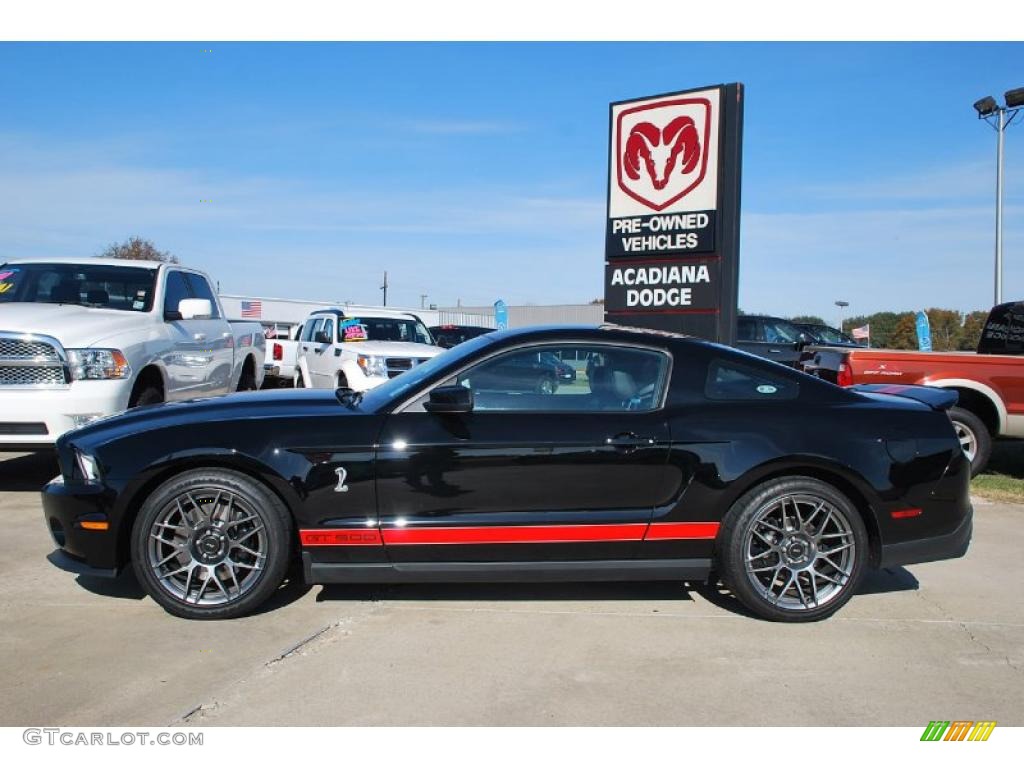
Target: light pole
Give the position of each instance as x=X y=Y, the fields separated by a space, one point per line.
x=1000 y=117
x=842 y=305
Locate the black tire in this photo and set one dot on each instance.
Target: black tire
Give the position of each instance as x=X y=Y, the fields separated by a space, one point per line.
x=547 y=385
x=971 y=429
x=300 y=383
x=145 y=395
x=342 y=380
x=260 y=583
x=247 y=379
x=736 y=537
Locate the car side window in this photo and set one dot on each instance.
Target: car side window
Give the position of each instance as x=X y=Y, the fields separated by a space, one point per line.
x=310 y=328
x=201 y=290
x=571 y=379
x=728 y=380
x=328 y=328
x=175 y=290
x=746 y=329
x=779 y=333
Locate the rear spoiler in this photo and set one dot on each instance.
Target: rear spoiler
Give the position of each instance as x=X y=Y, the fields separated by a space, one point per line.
x=933 y=397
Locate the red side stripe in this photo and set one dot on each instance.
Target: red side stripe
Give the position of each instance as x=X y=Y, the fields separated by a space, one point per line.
x=665 y=531
x=515 y=534
x=507 y=534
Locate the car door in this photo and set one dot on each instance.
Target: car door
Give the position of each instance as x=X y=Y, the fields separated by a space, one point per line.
x=567 y=475
x=323 y=366
x=188 y=358
x=214 y=335
x=304 y=357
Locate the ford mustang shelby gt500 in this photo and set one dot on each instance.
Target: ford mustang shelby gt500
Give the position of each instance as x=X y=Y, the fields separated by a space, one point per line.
x=666 y=458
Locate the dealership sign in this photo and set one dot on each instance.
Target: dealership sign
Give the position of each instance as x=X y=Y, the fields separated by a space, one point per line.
x=671 y=242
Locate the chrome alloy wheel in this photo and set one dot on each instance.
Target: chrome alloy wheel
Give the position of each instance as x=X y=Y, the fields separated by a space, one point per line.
x=799 y=551
x=207 y=547
x=968 y=440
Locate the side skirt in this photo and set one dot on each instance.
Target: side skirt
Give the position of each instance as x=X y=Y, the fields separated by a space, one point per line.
x=692 y=569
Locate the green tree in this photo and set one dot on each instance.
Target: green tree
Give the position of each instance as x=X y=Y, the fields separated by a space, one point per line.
x=946 y=328
x=137 y=249
x=808 y=319
x=974 y=323
x=904 y=334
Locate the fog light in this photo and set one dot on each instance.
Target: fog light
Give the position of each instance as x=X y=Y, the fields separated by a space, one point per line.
x=81 y=419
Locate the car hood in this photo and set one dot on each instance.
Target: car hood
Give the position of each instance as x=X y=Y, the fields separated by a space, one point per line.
x=393 y=348
x=201 y=412
x=70 y=324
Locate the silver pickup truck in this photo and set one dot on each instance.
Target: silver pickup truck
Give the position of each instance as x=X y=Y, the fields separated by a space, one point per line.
x=85 y=338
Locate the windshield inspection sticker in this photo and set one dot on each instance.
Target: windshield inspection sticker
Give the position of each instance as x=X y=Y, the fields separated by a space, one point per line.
x=767 y=389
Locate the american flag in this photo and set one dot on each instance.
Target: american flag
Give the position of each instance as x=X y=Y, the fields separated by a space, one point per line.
x=864 y=332
x=252 y=309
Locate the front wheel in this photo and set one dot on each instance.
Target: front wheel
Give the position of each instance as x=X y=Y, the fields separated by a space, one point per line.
x=793 y=549
x=211 y=544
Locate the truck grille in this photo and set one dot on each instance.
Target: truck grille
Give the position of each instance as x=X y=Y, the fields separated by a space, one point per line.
x=399 y=365
x=30 y=362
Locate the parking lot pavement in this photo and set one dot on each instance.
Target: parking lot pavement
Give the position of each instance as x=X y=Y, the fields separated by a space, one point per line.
x=942 y=640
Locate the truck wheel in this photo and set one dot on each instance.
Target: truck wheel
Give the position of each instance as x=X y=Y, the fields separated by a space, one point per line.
x=300 y=383
x=793 y=549
x=146 y=396
x=211 y=544
x=342 y=380
x=974 y=438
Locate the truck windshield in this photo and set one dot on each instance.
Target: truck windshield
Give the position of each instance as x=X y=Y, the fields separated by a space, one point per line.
x=389 y=329
x=87 y=285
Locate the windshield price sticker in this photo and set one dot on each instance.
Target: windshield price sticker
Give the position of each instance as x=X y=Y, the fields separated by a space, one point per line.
x=353 y=332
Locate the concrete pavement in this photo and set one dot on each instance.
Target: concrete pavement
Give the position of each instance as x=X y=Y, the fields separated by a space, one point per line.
x=935 y=641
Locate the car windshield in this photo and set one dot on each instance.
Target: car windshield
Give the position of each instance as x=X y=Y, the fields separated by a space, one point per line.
x=406 y=384
x=388 y=329
x=831 y=335
x=780 y=332
x=88 y=285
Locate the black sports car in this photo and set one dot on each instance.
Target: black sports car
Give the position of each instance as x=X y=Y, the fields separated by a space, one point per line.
x=677 y=459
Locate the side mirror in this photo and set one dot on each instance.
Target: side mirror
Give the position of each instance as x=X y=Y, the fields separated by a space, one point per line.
x=321 y=337
x=453 y=399
x=195 y=309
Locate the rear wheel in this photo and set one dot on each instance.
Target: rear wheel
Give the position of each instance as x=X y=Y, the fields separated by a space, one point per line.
x=547 y=385
x=974 y=438
x=300 y=383
x=211 y=544
x=793 y=549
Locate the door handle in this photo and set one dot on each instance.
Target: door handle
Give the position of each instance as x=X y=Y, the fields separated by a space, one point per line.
x=199 y=336
x=627 y=441
x=775 y=351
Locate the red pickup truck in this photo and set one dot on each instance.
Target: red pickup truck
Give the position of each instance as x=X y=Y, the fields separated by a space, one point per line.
x=989 y=382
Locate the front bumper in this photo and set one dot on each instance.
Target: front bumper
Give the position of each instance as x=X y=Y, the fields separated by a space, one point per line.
x=52 y=412
x=65 y=509
x=945 y=547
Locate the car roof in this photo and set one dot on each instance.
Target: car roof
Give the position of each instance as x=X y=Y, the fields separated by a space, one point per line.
x=89 y=260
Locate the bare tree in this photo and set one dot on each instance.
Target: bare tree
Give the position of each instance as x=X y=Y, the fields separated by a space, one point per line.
x=137 y=249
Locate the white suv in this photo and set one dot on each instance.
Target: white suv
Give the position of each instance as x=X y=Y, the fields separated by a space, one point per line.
x=362 y=350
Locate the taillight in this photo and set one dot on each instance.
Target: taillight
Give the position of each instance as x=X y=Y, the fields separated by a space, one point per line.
x=278 y=352
x=845 y=376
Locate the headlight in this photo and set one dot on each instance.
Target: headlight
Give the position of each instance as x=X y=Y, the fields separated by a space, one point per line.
x=373 y=365
x=98 y=364
x=87 y=466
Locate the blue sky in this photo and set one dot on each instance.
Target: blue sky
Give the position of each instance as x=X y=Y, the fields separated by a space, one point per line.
x=478 y=171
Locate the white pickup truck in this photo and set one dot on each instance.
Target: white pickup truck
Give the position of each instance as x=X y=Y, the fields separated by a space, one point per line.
x=360 y=351
x=282 y=356
x=85 y=338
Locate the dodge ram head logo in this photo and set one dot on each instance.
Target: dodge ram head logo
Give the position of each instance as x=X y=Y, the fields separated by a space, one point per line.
x=662 y=150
